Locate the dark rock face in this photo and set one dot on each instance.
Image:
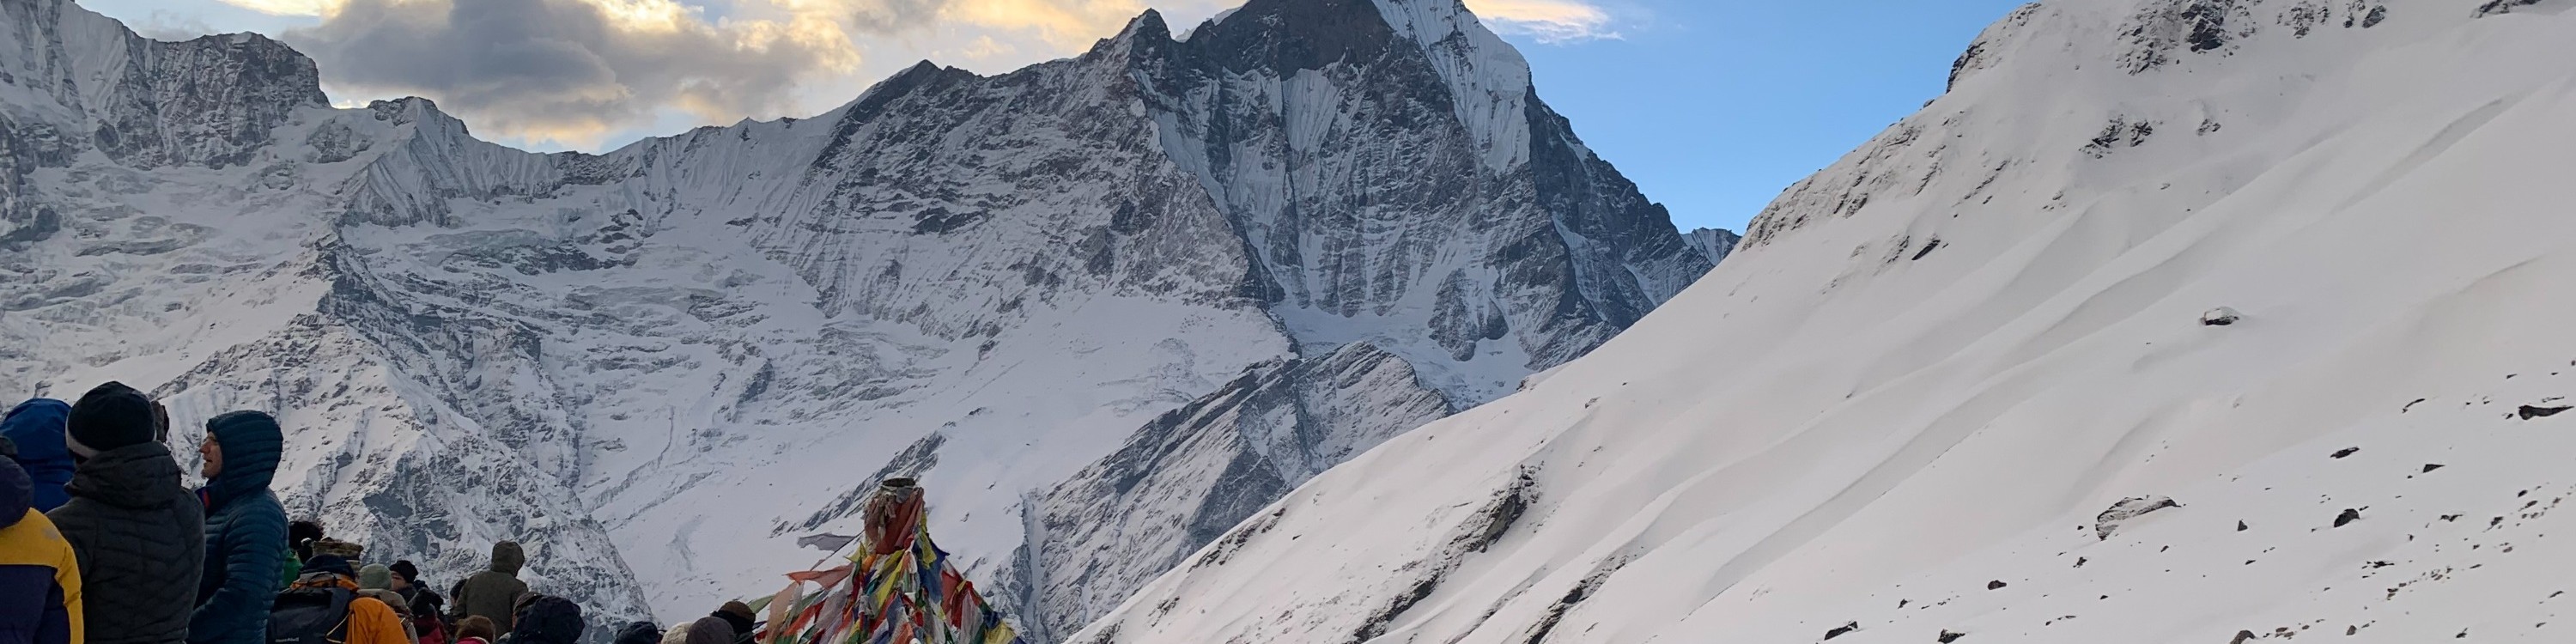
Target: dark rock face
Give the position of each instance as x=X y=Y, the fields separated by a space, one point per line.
x=210 y=101
x=1714 y=243
x=2493 y=7
x=2165 y=30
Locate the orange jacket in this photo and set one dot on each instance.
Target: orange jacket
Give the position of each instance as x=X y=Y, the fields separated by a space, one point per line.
x=370 y=620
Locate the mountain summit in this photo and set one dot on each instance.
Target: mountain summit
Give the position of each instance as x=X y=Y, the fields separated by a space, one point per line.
x=1105 y=306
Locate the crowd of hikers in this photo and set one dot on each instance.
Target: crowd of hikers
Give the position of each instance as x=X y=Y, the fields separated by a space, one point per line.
x=101 y=543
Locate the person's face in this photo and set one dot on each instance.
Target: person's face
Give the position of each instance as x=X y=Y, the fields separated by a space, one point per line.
x=214 y=453
x=400 y=583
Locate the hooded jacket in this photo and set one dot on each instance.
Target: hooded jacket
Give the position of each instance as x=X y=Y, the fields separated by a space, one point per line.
x=140 y=537
x=711 y=630
x=638 y=633
x=245 y=532
x=37 y=427
x=493 y=593
x=547 y=620
x=738 y=616
x=40 y=591
x=371 y=621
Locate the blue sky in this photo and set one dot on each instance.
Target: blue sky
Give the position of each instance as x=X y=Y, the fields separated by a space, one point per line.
x=1714 y=107
x=1711 y=106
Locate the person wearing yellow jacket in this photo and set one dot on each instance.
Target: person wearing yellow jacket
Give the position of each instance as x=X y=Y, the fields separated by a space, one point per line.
x=370 y=621
x=40 y=592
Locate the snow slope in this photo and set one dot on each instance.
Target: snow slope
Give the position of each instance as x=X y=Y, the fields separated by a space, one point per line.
x=1928 y=367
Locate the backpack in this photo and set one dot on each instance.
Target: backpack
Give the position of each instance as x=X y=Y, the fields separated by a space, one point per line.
x=432 y=631
x=310 y=616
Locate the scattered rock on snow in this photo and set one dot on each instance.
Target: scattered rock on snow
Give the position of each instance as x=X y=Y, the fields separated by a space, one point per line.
x=1995 y=585
x=1839 y=631
x=1947 y=637
x=2240 y=526
x=2109 y=521
x=2529 y=412
x=2221 y=316
x=2349 y=515
x=2242 y=637
x=2429 y=467
x=2348 y=451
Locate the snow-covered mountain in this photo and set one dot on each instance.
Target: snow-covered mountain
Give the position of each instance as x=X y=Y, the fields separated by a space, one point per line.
x=1895 y=413
x=1715 y=243
x=1105 y=306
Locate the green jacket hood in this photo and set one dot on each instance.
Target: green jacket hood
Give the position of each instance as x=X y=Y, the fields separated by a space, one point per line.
x=507 y=558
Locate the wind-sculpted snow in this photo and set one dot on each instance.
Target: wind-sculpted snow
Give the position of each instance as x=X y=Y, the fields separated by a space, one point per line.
x=1897 y=413
x=662 y=366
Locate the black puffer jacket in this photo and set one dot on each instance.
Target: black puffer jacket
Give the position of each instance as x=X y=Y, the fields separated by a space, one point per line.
x=547 y=619
x=140 y=538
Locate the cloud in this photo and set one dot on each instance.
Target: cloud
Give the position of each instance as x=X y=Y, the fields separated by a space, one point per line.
x=287 y=7
x=572 y=71
x=164 y=25
x=1065 y=25
x=1549 y=21
x=586 y=73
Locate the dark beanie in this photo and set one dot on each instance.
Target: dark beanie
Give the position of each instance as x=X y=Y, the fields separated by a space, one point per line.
x=334 y=564
x=108 y=417
x=409 y=572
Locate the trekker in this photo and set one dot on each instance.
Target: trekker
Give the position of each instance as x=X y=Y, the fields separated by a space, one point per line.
x=546 y=619
x=244 y=527
x=37 y=427
x=40 y=591
x=139 y=535
x=330 y=546
x=476 y=630
x=638 y=633
x=737 y=615
x=377 y=581
x=427 y=608
x=493 y=594
x=710 y=630
x=300 y=535
x=325 y=606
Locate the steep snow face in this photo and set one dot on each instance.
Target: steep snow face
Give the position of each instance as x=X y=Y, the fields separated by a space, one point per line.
x=1465 y=207
x=1932 y=365
x=661 y=366
x=1716 y=243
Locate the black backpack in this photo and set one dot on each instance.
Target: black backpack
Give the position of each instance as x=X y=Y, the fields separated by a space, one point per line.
x=310 y=616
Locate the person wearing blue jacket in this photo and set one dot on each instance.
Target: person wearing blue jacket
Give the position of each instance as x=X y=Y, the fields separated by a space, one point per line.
x=37 y=427
x=245 y=530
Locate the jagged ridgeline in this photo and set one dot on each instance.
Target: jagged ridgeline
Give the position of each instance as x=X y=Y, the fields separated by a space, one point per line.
x=1104 y=307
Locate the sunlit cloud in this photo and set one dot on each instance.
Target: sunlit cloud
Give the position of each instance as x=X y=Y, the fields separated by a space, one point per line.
x=1548 y=21
x=288 y=7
